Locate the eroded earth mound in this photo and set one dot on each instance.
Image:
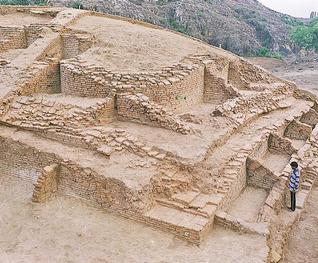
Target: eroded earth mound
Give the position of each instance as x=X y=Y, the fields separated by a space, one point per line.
x=151 y=125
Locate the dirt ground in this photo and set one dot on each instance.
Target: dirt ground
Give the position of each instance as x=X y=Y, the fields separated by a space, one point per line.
x=23 y=19
x=305 y=75
x=303 y=244
x=65 y=230
x=248 y=204
x=134 y=48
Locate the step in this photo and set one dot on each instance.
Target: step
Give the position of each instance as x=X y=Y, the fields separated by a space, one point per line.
x=306 y=185
x=209 y=210
x=203 y=199
x=301 y=199
x=171 y=204
x=182 y=224
x=185 y=197
x=193 y=202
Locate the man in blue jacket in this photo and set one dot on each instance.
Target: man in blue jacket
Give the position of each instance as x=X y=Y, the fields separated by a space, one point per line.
x=294 y=184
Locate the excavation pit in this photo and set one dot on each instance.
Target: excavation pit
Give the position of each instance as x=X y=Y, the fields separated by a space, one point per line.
x=152 y=126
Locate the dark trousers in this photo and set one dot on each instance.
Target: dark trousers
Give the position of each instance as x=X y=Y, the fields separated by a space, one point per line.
x=293 y=200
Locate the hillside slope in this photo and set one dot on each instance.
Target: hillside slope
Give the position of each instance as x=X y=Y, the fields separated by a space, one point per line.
x=241 y=26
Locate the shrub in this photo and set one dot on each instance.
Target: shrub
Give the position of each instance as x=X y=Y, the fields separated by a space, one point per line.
x=266 y=52
x=174 y=24
x=76 y=5
x=306 y=36
x=292 y=21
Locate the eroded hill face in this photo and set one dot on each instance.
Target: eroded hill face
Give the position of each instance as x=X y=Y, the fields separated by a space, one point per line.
x=151 y=125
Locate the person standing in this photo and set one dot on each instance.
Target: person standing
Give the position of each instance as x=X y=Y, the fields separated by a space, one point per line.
x=294 y=184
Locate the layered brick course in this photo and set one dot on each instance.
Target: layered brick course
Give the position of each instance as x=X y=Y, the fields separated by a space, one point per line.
x=12 y=37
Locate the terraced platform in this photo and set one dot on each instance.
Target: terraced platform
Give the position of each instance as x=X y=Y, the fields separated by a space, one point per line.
x=151 y=125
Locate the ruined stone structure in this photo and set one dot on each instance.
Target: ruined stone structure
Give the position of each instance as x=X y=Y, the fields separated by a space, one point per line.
x=149 y=124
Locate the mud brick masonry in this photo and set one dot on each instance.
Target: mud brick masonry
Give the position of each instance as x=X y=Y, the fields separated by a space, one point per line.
x=171 y=144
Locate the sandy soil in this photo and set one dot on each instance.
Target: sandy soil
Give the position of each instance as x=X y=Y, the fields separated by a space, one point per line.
x=303 y=244
x=248 y=204
x=23 y=19
x=305 y=75
x=274 y=161
x=65 y=230
x=128 y=47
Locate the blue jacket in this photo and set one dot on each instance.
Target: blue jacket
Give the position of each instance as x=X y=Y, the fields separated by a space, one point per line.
x=294 y=179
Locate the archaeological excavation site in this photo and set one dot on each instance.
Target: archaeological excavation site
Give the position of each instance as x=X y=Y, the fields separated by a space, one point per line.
x=159 y=130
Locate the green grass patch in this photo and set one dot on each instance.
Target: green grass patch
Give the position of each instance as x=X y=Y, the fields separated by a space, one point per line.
x=175 y=25
x=266 y=52
x=76 y=5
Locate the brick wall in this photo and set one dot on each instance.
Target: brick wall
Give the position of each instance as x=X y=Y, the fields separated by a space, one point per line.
x=46 y=184
x=237 y=187
x=78 y=82
x=242 y=74
x=21 y=160
x=310 y=118
x=245 y=107
x=258 y=175
x=279 y=144
x=175 y=88
x=101 y=191
x=12 y=38
x=33 y=32
x=75 y=44
x=260 y=149
x=45 y=79
x=216 y=90
x=50 y=114
x=138 y=108
x=297 y=130
x=179 y=93
x=273 y=203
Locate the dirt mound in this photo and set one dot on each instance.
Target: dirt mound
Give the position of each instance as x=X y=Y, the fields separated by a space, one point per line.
x=242 y=27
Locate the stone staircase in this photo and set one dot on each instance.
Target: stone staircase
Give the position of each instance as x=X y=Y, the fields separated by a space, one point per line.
x=187 y=214
x=306 y=185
